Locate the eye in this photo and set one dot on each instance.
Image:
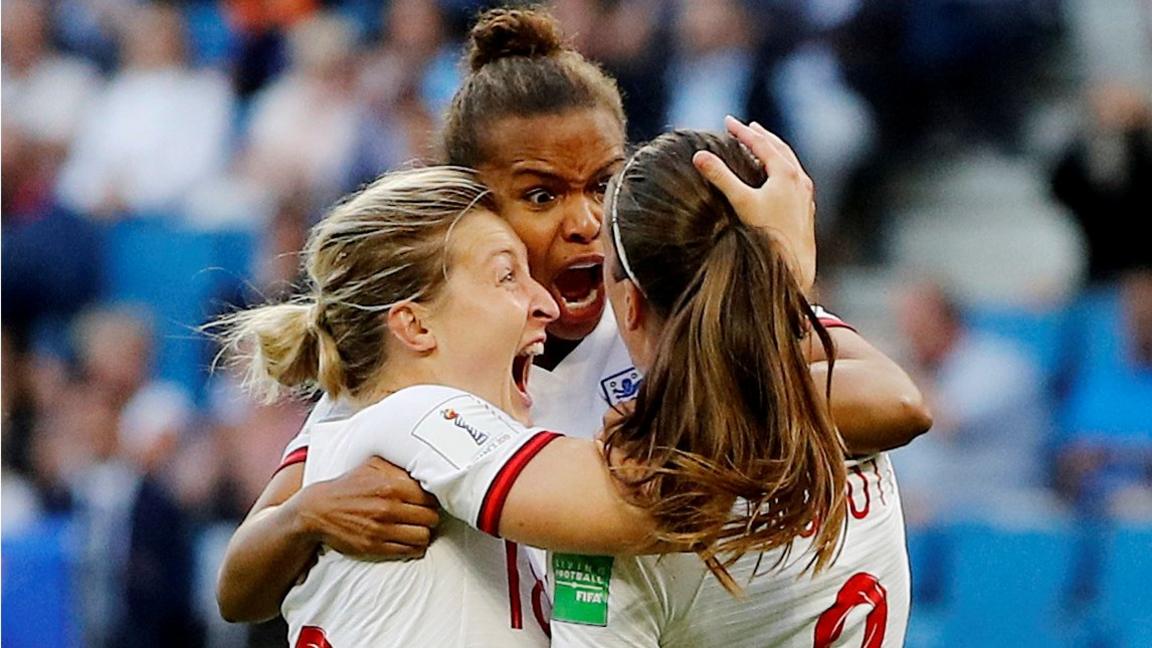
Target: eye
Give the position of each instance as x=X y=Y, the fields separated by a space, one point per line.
x=602 y=186
x=539 y=196
x=507 y=276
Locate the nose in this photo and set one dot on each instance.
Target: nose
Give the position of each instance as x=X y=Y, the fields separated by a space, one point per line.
x=544 y=308
x=582 y=222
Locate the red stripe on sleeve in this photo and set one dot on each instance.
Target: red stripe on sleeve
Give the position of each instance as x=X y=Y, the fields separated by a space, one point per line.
x=299 y=455
x=836 y=322
x=488 y=520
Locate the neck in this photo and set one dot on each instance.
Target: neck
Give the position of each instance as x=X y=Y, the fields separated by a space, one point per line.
x=432 y=370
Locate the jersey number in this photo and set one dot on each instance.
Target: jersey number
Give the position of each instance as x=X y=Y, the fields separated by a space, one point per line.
x=861 y=589
x=312 y=637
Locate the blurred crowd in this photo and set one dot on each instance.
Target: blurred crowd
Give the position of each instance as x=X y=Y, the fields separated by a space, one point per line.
x=244 y=119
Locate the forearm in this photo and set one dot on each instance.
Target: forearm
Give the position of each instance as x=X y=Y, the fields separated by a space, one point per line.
x=266 y=555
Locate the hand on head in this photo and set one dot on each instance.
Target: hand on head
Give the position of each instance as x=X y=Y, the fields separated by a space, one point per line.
x=784 y=206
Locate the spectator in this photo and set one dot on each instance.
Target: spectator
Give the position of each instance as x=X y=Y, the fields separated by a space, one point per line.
x=304 y=125
x=158 y=130
x=405 y=85
x=1105 y=181
x=986 y=453
x=711 y=71
x=625 y=36
x=45 y=94
x=108 y=439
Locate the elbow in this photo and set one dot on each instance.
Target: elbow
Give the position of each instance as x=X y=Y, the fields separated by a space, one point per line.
x=229 y=609
x=234 y=608
x=916 y=418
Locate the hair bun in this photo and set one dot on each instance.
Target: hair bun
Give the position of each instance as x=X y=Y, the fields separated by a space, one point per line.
x=502 y=33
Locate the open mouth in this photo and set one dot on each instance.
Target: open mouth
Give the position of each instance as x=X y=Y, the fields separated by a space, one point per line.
x=579 y=290
x=522 y=366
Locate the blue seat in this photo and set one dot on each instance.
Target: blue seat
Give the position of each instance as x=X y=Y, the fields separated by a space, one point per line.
x=1124 y=600
x=1009 y=587
x=1103 y=403
x=183 y=276
x=40 y=608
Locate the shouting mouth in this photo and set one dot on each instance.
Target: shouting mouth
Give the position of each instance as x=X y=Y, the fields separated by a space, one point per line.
x=579 y=291
x=522 y=366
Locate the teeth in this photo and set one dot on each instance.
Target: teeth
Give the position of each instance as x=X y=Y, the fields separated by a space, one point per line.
x=580 y=303
x=534 y=349
x=584 y=266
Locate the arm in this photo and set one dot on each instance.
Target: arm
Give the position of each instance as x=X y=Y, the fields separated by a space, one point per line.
x=375 y=509
x=875 y=404
x=490 y=472
x=543 y=509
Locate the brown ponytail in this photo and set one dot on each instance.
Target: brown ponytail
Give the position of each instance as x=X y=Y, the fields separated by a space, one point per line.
x=520 y=67
x=727 y=413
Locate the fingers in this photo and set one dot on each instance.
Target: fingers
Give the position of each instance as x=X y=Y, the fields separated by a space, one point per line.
x=779 y=143
x=409 y=535
x=394 y=483
x=718 y=173
x=404 y=514
x=774 y=153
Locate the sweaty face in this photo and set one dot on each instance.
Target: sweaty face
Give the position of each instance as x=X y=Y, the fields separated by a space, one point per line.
x=549 y=174
x=491 y=317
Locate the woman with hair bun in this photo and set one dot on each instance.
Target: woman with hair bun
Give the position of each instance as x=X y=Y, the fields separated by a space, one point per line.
x=545 y=130
x=419 y=312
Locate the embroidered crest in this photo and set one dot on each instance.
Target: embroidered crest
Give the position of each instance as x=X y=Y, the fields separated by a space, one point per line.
x=621 y=387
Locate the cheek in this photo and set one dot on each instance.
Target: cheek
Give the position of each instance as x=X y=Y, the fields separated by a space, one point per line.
x=538 y=231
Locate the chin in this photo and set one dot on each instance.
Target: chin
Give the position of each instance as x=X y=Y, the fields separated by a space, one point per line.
x=573 y=331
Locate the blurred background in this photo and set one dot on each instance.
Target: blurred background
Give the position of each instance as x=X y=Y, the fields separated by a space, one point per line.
x=983 y=173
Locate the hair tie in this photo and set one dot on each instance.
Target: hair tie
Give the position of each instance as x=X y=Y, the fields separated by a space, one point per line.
x=620 y=253
x=316 y=316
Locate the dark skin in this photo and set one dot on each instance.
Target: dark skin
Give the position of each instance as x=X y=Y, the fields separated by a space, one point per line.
x=551 y=191
x=549 y=174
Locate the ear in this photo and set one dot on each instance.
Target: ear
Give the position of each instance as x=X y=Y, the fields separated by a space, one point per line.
x=635 y=307
x=406 y=322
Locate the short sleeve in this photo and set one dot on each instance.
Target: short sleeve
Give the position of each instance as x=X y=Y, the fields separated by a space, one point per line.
x=297 y=449
x=830 y=320
x=460 y=448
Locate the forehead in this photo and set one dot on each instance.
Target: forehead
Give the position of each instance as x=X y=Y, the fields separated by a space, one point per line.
x=479 y=235
x=573 y=145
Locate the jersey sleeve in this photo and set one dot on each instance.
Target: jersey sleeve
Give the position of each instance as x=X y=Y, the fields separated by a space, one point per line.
x=460 y=448
x=297 y=449
x=830 y=320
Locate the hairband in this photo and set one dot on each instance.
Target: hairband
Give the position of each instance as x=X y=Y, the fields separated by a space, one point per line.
x=620 y=253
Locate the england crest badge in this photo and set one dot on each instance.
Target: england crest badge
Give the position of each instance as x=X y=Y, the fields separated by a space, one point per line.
x=621 y=387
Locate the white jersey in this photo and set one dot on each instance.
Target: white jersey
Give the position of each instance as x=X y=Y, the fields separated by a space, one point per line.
x=471 y=589
x=573 y=397
x=862 y=599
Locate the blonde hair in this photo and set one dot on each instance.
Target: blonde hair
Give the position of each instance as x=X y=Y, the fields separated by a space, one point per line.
x=385 y=244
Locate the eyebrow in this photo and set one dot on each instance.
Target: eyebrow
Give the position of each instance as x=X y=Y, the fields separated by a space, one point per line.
x=502 y=251
x=529 y=168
